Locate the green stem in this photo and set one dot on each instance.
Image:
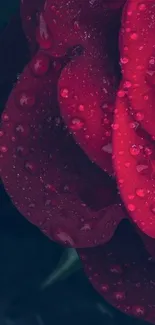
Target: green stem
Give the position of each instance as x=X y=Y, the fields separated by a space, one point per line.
x=68 y=264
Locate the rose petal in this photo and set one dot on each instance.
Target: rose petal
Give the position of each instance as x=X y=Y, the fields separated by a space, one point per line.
x=122 y=272
x=137 y=49
x=86 y=109
x=134 y=158
x=51 y=182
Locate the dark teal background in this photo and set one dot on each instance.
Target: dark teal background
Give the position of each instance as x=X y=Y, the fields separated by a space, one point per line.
x=7 y=9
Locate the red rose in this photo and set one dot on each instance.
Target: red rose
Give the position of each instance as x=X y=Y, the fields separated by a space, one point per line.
x=74 y=125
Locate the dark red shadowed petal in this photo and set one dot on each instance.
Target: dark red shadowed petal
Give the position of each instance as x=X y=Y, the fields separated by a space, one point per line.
x=134 y=159
x=86 y=97
x=29 y=11
x=50 y=180
x=86 y=86
x=137 y=49
x=123 y=273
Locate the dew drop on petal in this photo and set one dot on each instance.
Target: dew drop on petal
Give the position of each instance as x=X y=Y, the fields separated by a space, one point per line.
x=23 y=130
x=121 y=93
x=64 y=93
x=22 y=151
x=127 y=84
x=134 y=36
x=64 y=238
x=50 y=188
x=26 y=99
x=152 y=208
x=81 y=108
x=5 y=117
x=142 y=168
x=134 y=150
x=76 y=124
x=138 y=311
x=107 y=148
x=119 y=295
x=124 y=60
x=139 y=116
x=142 y=7
x=30 y=167
x=116 y=269
x=3 y=149
x=148 y=151
x=131 y=207
x=105 y=288
x=40 y=65
x=141 y=192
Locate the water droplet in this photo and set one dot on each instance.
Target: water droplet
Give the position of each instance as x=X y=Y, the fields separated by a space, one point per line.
x=124 y=60
x=3 y=149
x=142 y=7
x=40 y=64
x=121 y=93
x=105 y=288
x=50 y=188
x=119 y=295
x=81 y=108
x=131 y=196
x=139 y=116
x=22 y=130
x=148 y=151
x=107 y=148
x=5 y=117
x=30 y=167
x=134 y=36
x=131 y=207
x=138 y=311
x=127 y=84
x=116 y=269
x=32 y=205
x=134 y=125
x=76 y=124
x=1 y=133
x=152 y=208
x=64 y=93
x=76 y=25
x=115 y=126
x=26 y=99
x=141 y=192
x=48 y=202
x=142 y=168
x=64 y=238
x=134 y=150
x=86 y=227
x=22 y=151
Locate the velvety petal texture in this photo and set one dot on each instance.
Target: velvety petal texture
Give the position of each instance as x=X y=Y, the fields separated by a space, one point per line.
x=77 y=140
x=123 y=273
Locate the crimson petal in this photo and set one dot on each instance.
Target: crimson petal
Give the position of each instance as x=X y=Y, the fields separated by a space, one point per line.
x=123 y=273
x=49 y=179
x=137 y=49
x=87 y=109
x=134 y=155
